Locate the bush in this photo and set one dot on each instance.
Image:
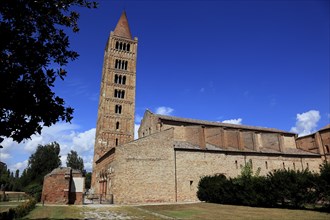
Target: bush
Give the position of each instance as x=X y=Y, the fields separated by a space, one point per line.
x=34 y=190
x=20 y=211
x=286 y=188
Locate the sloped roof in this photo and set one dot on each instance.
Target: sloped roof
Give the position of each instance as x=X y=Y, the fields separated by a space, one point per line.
x=122 y=29
x=218 y=124
x=183 y=145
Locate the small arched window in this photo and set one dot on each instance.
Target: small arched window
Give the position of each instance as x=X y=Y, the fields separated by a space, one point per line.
x=266 y=164
x=117 y=125
x=124 y=80
x=121 y=45
x=117 y=45
x=116 y=78
x=116 y=141
x=124 y=46
x=128 y=47
x=126 y=63
x=122 y=94
x=116 y=65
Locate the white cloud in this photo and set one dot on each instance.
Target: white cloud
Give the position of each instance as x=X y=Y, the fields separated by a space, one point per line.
x=4 y=156
x=84 y=141
x=237 y=121
x=138 y=118
x=136 y=128
x=164 y=110
x=306 y=122
x=19 y=166
x=67 y=135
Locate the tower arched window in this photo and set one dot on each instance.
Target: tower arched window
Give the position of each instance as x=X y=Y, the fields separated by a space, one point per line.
x=119 y=79
x=116 y=141
x=118 y=109
x=121 y=45
x=124 y=46
x=116 y=78
x=124 y=80
x=117 y=125
x=126 y=62
x=128 y=47
x=117 y=45
x=122 y=94
x=116 y=65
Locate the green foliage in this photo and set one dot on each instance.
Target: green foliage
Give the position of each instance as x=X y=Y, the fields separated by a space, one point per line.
x=43 y=161
x=20 y=211
x=284 y=188
x=293 y=188
x=88 y=179
x=74 y=161
x=247 y=170
x=323 y=189
x=33 y=50
x=34 y=190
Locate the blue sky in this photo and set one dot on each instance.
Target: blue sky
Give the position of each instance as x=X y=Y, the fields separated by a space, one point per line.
x=259 y=63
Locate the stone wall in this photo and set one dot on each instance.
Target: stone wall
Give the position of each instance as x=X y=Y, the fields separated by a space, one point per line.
x=191 y=165
x=144 y=170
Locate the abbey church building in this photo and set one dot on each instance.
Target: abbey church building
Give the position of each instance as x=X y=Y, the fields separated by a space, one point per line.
x=171 y=154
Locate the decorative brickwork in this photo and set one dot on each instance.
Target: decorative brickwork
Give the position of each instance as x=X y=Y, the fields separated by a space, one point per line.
x=115 y=122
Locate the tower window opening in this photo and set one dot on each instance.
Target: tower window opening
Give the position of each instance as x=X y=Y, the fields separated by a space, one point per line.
x=116 y=78
x=124 y=80
x=117 y=45
x=117 y=125
x=266 y=165
x=236 y=164
x=128 y=47
x=121 y=45
x=126 y=63
x=119 y=93
x=124 y=46
x=116 y=141
x=118 y=109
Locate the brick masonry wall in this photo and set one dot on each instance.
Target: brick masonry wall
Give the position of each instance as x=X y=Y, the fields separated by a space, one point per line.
x=192 y=165
x=56 y=189
x=144 y=170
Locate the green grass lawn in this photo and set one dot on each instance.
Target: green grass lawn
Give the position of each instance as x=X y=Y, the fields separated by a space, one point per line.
x=217 y=211
x=174 y=211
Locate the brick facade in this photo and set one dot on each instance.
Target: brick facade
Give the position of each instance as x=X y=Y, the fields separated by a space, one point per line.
x=59 y=188
x=171 y=155
x=115 y=122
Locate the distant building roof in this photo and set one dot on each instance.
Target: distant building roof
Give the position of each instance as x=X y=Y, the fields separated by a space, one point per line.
x=218 y=124
x=183 y=145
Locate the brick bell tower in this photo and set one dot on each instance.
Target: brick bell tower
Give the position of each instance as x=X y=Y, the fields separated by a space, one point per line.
x=115 y=121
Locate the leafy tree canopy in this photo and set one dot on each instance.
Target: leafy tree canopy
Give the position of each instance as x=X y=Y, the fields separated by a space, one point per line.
x=43 y=161
x=33 y=50
x=74 y=161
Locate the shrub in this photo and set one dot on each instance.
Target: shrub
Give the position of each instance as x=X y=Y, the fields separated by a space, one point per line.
x=34 y=190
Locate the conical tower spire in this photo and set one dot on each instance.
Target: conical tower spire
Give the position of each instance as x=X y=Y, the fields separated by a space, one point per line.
x=122 y=28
